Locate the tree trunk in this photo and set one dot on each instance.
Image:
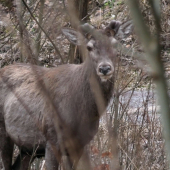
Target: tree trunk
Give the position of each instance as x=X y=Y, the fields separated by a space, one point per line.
x=82 y=11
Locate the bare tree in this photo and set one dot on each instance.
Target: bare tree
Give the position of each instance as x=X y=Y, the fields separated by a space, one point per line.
x=152 y=47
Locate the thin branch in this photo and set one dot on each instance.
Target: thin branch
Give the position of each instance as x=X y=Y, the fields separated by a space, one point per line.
x=56 y=49
x=153 y=50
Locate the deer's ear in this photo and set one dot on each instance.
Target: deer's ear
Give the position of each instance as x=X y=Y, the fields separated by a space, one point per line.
x=119 y=30
x=112 y=28
x=71 y=35
x=78 y=38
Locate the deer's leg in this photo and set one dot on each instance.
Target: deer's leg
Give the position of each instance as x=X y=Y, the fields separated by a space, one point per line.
x=52 y=157
x=22 y=162
x=73 y=159
x=6 y=146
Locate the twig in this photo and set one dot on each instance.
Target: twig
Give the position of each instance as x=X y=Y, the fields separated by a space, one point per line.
x=56 y=49
x=153 y=49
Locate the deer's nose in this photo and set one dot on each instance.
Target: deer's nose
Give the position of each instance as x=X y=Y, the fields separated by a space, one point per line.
x=104 y=69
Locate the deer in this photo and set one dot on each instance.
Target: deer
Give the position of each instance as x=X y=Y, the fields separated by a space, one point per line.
x=53 y=112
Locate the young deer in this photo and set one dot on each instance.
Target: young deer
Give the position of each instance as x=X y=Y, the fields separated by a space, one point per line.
x=55 y=111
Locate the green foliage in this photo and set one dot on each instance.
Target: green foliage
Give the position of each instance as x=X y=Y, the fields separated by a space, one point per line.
x=109 y=3
x=121 y=2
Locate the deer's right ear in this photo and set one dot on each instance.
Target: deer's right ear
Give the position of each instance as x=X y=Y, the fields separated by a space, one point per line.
x=112 y=28
x=71 y=35
x=119 y=30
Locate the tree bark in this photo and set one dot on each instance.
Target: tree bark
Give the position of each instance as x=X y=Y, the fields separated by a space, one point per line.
x=82 y=11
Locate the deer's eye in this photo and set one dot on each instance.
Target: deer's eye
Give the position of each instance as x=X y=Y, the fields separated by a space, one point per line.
x=90 y=48
x=90 y=45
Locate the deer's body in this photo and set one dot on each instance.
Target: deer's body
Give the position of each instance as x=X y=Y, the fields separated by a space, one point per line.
x=72 y=101
x=31 y=95
x=25 y=104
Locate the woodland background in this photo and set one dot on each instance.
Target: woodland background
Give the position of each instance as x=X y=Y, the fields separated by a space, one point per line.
x=130 y=134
